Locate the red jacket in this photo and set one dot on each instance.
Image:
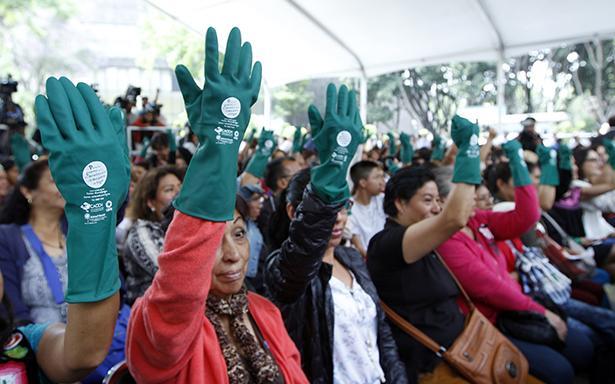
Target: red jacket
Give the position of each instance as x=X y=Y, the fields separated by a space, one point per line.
x=170 y=340
x=479 y=265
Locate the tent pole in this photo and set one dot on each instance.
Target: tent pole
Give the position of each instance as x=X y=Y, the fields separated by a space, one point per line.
x=363 y=99
x=501 y=104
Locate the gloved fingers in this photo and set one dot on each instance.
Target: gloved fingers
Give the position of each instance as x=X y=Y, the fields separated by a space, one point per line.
x=211 y=54
x=330 y=107
x=245 y=62
x=50 y=134
x=78 y=107
x=60 y=108
x=117 y=121
x=255 y=80
x=231 y=55
x=315 y=119
x=342 y=101
x=98 y=115
x=190 y=91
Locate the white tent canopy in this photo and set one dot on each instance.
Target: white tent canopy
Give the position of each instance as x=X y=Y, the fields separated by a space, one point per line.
x=300 y=39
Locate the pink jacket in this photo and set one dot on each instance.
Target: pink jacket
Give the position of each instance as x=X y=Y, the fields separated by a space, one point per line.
x=479 y=265
x=170 y=340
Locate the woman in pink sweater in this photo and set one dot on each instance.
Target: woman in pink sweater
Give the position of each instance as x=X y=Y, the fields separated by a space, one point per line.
x=473 y=256
x=196 y=323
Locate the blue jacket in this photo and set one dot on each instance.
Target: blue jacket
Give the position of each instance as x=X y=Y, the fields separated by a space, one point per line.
x=13 y=257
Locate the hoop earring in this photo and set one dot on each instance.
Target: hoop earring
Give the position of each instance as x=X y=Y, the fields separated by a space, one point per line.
x=29 y=199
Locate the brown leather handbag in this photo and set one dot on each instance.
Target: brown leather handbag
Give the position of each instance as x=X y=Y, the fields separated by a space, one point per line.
x=481 y=354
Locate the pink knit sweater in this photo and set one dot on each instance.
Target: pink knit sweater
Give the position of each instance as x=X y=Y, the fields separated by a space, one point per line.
x=170 y=340
x=479 y=265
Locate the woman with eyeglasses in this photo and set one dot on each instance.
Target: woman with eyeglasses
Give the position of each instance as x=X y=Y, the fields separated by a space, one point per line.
x=328 y=301
x=596 y=181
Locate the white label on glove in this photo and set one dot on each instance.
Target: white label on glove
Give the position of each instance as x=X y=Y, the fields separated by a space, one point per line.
x=268 y=144
x=473 y=150
x=473 y=140
x=344 y=138
x=521 y=158
x=95 y=174
x=553 y=156
x=231 y=107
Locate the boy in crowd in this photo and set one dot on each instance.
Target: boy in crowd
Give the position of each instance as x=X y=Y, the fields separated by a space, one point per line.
x=367 y=217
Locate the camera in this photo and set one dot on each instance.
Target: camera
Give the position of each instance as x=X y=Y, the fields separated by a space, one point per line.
x=8 y=86
x=132 y=93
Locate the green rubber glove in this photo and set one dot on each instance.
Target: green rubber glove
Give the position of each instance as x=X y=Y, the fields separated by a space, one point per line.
x=392 y=166
x=20 y=148
x=407 y=152
x=219 y=115
x=609 y=145
x=90 y=165
x=172 y=142
x=297 y=139
x=438 y=148
x=549 y=175
x=365 y=134
x=392 y=144
x=467 y=163
x=564 y=153
x=518 y=168
x=144 y=148
x=251 y=135
x=258 y=162
x=336 y=139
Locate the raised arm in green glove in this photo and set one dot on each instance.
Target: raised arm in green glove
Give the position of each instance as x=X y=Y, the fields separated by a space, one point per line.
x=392 y=166
x=392 y=144
x=407 y=152
x=336 y=138
x=89 y=164
x=549 y=175
x=219 y=115
x=467 y=162
x=250 y=136
x=172 y=142
x=258 y=162
x=20 y=148
x=518 y=168
x=297 y=140
x=144 y=147
x=564 y=153
x=609 y=145
x=438 y=147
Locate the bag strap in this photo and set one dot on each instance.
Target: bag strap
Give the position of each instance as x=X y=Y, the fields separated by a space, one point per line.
x=413 y=331
x=49 y=269
x=463 y=291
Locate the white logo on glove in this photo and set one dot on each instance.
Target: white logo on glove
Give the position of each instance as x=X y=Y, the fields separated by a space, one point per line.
x=473 y=140
x=231 y=107
x=95 y=174
x=344 y=138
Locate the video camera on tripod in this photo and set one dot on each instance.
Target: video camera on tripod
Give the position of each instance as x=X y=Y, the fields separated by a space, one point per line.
x=11 y=113
x=129 y=100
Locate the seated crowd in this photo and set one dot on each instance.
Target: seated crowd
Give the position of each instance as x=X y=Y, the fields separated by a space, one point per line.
x=212 y=259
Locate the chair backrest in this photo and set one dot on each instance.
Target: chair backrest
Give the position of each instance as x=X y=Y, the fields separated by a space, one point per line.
x=119 y=374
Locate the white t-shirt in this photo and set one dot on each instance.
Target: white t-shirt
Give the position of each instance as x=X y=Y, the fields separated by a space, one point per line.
x=356 y=358
x=596 y=227
x=367 y=220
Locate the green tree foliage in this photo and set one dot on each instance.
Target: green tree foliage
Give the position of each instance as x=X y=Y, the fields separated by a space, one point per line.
x=33 y=32
x=176 y=43
x=291 y=102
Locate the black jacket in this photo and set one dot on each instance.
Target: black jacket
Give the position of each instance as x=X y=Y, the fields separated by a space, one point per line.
x=298 y=282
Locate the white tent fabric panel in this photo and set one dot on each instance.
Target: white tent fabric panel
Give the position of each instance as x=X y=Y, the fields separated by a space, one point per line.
x=299 y=39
